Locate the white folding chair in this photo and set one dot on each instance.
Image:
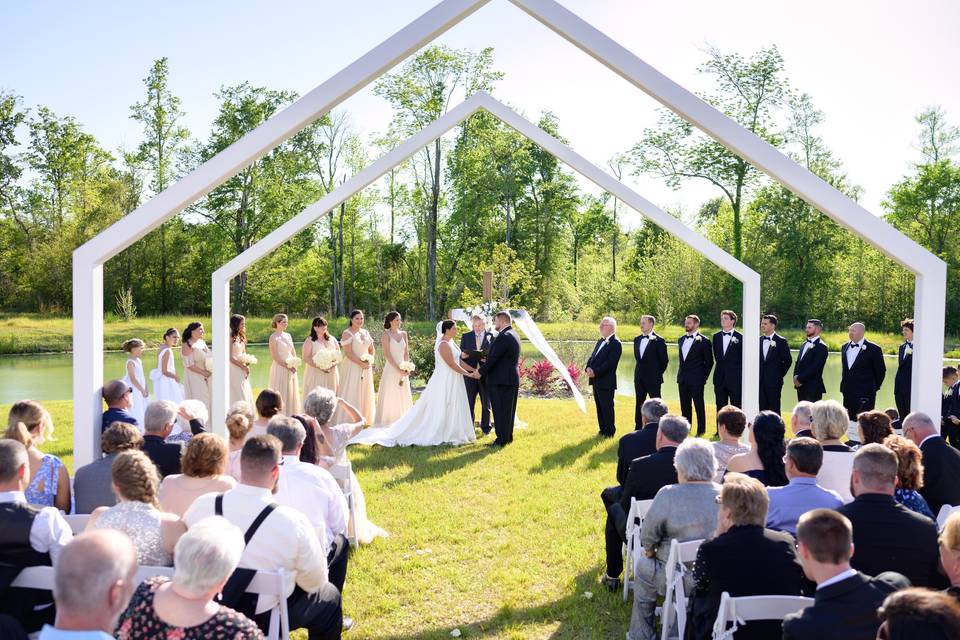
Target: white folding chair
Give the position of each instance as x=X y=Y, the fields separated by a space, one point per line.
x=675 y=596
x=342 y=474
x=77 y=521
x=632 y=547
x=739 y=611
x=945 y=512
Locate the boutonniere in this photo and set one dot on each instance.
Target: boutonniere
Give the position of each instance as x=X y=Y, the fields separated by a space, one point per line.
x=908 y=351
x=734 y=340
x=773 y=343
x=698 y=337
x=653 y=337
x=946 y=394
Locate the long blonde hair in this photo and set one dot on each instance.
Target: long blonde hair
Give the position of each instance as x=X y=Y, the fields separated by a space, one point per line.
x=29 y=423
x=136 y=477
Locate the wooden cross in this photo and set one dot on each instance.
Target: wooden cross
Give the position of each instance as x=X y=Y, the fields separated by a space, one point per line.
x=487 y=286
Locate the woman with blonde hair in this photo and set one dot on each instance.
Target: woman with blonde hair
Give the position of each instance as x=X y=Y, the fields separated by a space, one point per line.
x=30 y=424
x=240 y=419
x=830 y=422
x=909 y=474
x=284 y=365
x=204 y=464
x=950 y=553
x=137 y=512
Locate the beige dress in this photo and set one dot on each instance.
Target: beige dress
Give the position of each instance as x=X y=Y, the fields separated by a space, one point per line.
x=394 y=398
x=239 y=382
x=282 y=380
x=196 y=386
x=313 y=377
x=356 y=384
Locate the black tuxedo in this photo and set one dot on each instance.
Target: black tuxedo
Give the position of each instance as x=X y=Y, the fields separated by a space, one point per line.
x=950 y=406
x=809 y=371
x=477 y=387
x=603 y=362
x=941 y=473
x=728 y=373
x=889 y=537
x=845 y=610
x=904 y=379
x=503 y=381
x=166 y=455
x=692 y=376
x=636 y=444
x=772 y=370
x=648 y=371
x=859 y=384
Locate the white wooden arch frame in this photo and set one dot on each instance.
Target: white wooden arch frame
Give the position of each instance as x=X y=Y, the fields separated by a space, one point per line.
x=88 y=259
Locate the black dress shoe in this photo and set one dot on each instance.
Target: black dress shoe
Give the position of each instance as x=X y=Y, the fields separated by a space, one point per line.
x=495 y=443
x=612 y=584
x=347 y=623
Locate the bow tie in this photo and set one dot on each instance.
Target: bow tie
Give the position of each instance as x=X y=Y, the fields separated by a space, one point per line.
x=855 y=346
x=910 y=344
x=728 y=333
x=767 y=338
x=643 y=337
x=809 y=341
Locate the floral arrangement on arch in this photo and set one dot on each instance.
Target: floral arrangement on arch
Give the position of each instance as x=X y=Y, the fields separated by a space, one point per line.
x=487 y=311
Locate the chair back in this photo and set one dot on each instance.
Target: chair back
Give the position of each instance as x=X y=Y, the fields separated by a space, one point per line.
x=632 y=547
x=77 y=521
x=675 y=596
x=741 y=610
x=835 y=473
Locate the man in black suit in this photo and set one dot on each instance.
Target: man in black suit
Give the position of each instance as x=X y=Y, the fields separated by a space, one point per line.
x=643 y=441
x=886 y=535
x=158 y=421
x=502 y=376
x=728 y=354
x=862 y=372
x=650 y=354
x=846 y=601
x=775 y=361
x=645 y=478
x=808 y=372
x=696 y=361
x=950 y=407
x=904 y=378
x=941 y=462
x=477 y=340
x=602 y=371
x=801 y=420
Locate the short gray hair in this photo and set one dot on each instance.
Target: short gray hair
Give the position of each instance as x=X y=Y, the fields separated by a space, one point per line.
x=158 y=415
x=877 y=466
x=320 y=403
x=653 y=409
x=206 y=555
x=89 y=566
x=288 y=431
x=13 y=455
x=919 y=419
x=695 y=460
x=674 y=428
x=804 y=413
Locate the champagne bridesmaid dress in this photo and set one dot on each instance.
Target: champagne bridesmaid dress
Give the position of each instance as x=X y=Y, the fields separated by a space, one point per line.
x=356 y=384
x=196 y=386
x=239 y=383
x=313 y=377
x=394 y=398
x=282 y=380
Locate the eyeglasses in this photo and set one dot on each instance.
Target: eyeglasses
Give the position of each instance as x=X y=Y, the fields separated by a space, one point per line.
x=129 y=390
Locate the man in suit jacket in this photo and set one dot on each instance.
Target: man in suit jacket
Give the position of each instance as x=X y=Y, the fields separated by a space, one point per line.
x=645 y=478
x=650 y=354
x=601 y=369
x=886 y=535
x=846 y=601
x=941 y=462
x=904 y=378
x=696 y=361
x=775 y=361
x=503 y=378
x=641 y=442
x=808 y=372
x=477 y=340
x=728 y=354
x=158 y=421
x=862 y=372
x=950 y=407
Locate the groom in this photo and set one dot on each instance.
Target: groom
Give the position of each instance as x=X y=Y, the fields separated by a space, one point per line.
x=502 y=377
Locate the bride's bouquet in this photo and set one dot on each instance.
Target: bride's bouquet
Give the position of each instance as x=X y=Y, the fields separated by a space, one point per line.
x=407 y=366
x=293 y=362
x=327 y=358
x=247 y=359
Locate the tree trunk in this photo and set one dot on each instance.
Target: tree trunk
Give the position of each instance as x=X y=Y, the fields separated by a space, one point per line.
x=432 y=234
x=341 y=302
x=616 y=236
x=334 y=282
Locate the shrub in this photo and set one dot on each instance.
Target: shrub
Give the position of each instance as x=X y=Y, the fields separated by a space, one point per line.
x=421 y=354
x=541 y=376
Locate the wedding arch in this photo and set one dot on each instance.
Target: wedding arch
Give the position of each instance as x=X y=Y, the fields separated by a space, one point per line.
x=88 y=259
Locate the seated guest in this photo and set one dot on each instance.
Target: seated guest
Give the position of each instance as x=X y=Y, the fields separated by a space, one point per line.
x=846 y=601
x=874 y=426
x=192 y=416
x=941 y=462
x=731 y=422
x=894 y=416
x=787 y=504
x=310 y=451
x=158 y=421
x=137 y=513
x=886 y=535
x=830 y=422
x=919 y=613
x=93 y=483
x=92 y=584
x=31 y=536
x=240 y=419
x=743 y=559
x=30 y=424
x=645 y=478
x=950 y=553
x=204 y=463
x=284 y=539
x=643 y=441
x=801 y=420
x=119 y=398
x=764 y=461
x=684 y=511
x=185 y=607
x=269 y=404
x=909 y=475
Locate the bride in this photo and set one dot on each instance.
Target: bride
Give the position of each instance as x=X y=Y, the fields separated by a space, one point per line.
x=441 y=414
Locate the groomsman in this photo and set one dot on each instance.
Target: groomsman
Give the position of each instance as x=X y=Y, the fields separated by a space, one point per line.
x=650 y=353
x=808 y=372
x=862 y=372
x=728 y=354
x=477 y=340
x=950 y=406
x=602 y=371
x=696 y=361
x=904 y=379
x=775 y=361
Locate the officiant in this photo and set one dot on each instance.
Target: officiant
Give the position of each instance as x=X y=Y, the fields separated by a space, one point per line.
x=472 y=345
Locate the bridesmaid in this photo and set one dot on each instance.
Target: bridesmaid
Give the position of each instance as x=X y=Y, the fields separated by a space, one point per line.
x=394 y=397
x=314 y=376
x=196 y=377
x=135 y=379
x=356 y=377
x=283 y=376
x=239 y=370
x=166 y=382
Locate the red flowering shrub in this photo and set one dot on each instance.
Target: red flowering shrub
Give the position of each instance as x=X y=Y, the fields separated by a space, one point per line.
x=541 y=376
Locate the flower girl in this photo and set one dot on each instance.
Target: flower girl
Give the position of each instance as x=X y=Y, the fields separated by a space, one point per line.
x=166 y=382
x=135 y=379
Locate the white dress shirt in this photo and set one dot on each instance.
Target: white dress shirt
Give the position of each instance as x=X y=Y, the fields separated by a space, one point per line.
x=767 y=343
x=314 y=492
x=687 y=343
x=807 y=344
x=285 y=540
x=843 y=575
x=726 y=341
x=852 y=352
x=644 y=343
x=49 y=532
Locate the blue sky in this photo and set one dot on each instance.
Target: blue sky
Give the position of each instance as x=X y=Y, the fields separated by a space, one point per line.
x=870 y=65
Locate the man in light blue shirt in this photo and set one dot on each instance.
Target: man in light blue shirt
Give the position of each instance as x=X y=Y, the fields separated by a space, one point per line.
x=787 y=504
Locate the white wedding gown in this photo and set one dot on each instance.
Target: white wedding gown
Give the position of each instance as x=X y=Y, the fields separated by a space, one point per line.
x=439 y=416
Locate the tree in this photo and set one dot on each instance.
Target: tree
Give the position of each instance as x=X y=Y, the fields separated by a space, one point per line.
x=938 y=139
x=616 y=164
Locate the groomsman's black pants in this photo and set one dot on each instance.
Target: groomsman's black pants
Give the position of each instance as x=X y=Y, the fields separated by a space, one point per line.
x=903 y=404
x=690 y=393
x=503 y=404
x=475 y=388
x=725 y=395
x=856 y=405
x=642 y=392
x=770 y=399
x=806 y=392
x=605 y=414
